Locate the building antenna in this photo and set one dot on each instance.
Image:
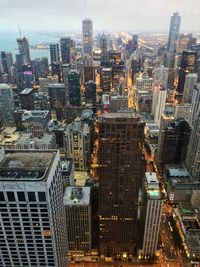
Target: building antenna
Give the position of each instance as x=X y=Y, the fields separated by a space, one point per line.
x=20 y=33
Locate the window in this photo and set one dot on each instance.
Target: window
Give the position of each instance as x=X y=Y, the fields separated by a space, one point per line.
x=31 y=196
x=42 y=196
x=11 y=196
x=21 y=196
x=2 y=196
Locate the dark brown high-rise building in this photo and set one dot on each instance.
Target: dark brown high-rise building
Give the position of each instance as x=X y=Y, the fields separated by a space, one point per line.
x=121 y=170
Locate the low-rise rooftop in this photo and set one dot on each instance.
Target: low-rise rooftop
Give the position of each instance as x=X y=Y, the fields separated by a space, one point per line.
x=77 y=196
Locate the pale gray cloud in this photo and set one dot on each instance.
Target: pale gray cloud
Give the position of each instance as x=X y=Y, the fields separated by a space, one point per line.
x=107 y=14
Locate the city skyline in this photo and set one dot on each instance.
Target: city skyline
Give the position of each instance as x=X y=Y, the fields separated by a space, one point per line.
x=134 y=16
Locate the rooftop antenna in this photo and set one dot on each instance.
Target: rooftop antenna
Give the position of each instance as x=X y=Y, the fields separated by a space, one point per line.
x=20 y=33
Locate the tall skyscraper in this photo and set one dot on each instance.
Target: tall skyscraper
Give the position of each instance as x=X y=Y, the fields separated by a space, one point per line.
x=160 y=93
x=33 y=225
x=120 y=172
x=188 y=65
x=74 y=88
x=193 y=155
x=175 y=141
x=190 y=81
x=6 y=60
x=195 y=104
x=150 y=215
x=7 y=106
x=23 y=47
x=54 y=53
x=104 y=49
x=173 y=39
x=87 y=31
x=68 y=50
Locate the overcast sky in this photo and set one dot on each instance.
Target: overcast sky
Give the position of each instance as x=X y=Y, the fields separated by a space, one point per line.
x=140 y=15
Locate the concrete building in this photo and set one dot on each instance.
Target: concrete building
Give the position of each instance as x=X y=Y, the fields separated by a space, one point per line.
x=160 y=76
x=193 y=154
x=182 y=111
x=150 y=216
x=77 y=144
x=179 y=183
x=119 y=156
x=67 y=172
x=9 y=137
x=104 y=49
x=144 y=84
x=77 y=201
x=36 y=121
x=27 y=99
x=195 y=199
x=33 y=224
x=7 y=106
x=118 y=102
x=90 y=93
x=28 y=141
x=106 y=79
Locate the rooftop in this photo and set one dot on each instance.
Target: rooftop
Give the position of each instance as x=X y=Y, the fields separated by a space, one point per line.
x=120 y=115
x=178 y=172
x=28 y=114
x=186 y=209
x=26 y=91
x=29 y=165
x=4 y=86
x=56 y=85
x=76 y=196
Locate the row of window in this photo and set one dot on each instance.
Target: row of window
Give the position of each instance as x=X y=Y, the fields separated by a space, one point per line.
x=21 y=196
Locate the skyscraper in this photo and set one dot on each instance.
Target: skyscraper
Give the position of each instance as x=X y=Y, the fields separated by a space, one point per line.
x=74 y=88
x=6 y=60
x=87 y=31
x=188 y=65
x=173 y=39
x=120 y=172
x=33 y=225
x=67 y=50
x=23 y=47
x=7 y=106
x=195 y=105
x=190 y=81
x=193 y=154
x=54 y=53
x=104 y=49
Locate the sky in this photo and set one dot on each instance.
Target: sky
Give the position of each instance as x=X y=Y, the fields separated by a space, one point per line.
x=114 y=15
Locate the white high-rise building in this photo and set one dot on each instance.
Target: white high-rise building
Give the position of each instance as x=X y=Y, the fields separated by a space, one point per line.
x=190 y=81
x=32 y=215
x=7 y=106
x=158 y=103
x=150 y=217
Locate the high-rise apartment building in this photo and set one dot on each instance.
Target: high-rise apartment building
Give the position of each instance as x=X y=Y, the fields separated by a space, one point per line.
x=77 y=201
x=159 y=100
x=7 y=106
x=173 y=39
x=54 y=53
x=150 y=215
x=87 y=31
x=23 y=47
x=193 y=154
x=77 y=144
x=120 y=171
x=33 y=225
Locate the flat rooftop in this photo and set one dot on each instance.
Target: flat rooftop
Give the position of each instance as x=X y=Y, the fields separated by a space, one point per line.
x=74 y=196
x=186 y=209
x=28 y=114
x=26 y=165
x=26 y=91
x=178 y=172
x=120 y=115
